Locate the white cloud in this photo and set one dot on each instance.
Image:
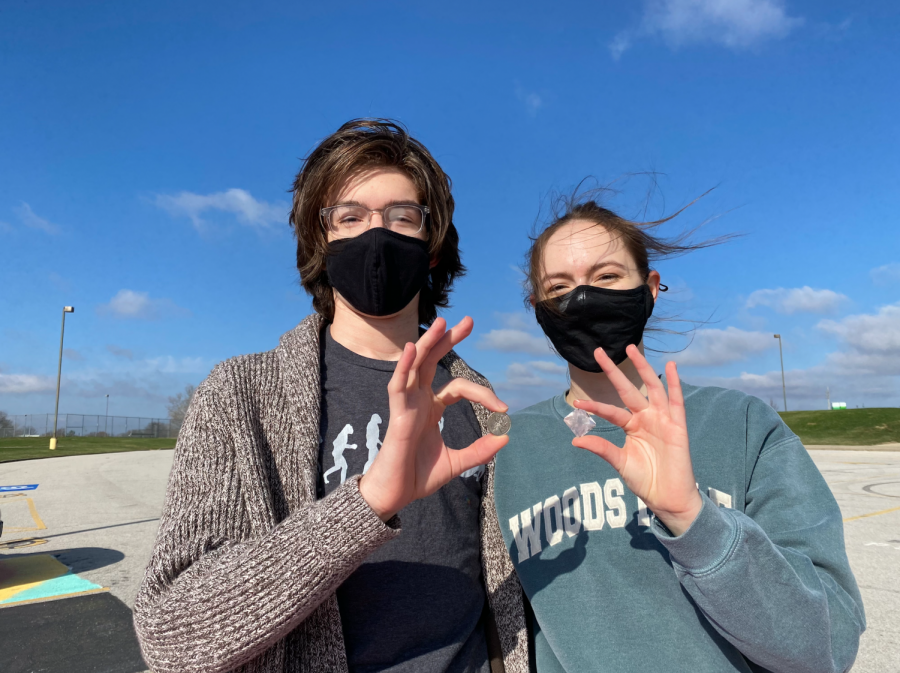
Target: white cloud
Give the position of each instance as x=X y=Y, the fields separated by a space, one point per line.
x=887 y=274
x=865 y=370
x=808 y=388
x=526 y=383
x=514 y=341
x=22 y=384
x=30 y=219
x=735 y=24
x=797 y=300
x=239 y=202
x=549 y=367
x=132 y=304
x=712 y=347
x=871 y=341
x=521 y=321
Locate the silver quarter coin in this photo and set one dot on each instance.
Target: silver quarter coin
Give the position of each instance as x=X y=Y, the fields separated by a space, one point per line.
x=498 y=423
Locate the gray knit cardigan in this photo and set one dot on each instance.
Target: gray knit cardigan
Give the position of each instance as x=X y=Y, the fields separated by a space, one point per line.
x=247 y=560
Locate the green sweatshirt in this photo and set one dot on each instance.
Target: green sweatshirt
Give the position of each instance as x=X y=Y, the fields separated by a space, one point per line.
x=759 y=582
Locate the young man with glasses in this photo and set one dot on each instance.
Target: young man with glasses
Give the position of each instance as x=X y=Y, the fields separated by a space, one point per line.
x=280 y=546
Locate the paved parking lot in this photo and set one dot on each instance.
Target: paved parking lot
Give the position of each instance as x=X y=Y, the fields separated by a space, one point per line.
x=101 y=513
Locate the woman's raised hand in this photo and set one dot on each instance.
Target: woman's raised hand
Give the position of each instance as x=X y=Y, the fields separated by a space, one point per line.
x=413 y=461
x=655 y=462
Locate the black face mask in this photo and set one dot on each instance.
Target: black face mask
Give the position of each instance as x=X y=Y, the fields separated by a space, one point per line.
x=380 y=271
x=588 y=318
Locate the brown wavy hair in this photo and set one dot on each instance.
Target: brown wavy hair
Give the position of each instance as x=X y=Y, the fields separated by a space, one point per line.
x=360 y=145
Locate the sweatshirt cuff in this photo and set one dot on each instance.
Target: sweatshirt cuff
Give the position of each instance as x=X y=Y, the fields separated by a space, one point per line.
x=706 y=544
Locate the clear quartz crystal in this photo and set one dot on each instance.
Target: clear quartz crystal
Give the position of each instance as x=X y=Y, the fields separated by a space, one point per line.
x=580 y=422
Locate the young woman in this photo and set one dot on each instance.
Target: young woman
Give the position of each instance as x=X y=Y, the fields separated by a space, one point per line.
x=688 y=530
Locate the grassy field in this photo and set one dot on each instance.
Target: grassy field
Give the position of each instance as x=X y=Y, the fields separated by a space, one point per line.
x=26 y=448
x=851 y=427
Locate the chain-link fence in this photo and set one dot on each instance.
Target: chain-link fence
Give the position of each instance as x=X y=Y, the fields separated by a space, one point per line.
x=81 y=425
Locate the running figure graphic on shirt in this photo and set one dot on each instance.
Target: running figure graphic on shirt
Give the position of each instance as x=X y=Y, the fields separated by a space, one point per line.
x=340 y=445
x=373 y=441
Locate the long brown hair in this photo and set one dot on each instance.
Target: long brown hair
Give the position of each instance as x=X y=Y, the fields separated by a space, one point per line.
x=638 y=238
x=360 y=145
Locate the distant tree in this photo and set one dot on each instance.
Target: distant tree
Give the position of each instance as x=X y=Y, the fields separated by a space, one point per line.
x=178 y=406
x=6 y=425
x=771 y=404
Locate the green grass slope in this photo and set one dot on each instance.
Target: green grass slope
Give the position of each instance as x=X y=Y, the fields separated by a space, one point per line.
x=26 y=448
x=847 y=427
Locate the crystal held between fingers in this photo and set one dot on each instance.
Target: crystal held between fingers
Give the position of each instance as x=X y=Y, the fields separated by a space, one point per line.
x=580 y=422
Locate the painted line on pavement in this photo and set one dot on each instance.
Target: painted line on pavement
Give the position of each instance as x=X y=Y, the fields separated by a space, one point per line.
x=863 y=516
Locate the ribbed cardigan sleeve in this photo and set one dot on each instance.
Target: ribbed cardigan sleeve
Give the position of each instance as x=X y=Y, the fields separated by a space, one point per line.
x=212 y=600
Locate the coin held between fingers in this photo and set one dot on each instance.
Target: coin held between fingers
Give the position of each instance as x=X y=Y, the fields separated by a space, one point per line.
x=498 y=423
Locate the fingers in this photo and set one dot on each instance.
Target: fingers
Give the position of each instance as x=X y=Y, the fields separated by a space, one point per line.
x=608 y=451
x=615 y=415
x=630 y=395
x=400 y=378
x=448 y=341
x=655 y=389
x=425 y=344
x=478 y=453
x=461 y=389
x=676 y=396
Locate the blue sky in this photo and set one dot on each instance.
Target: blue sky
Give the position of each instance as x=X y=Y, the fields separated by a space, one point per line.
x=147 y=150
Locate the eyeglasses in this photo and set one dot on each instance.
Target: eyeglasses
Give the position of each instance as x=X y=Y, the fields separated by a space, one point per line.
x=346 y=220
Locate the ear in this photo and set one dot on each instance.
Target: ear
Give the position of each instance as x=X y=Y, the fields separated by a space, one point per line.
x=653 y=282
x=532 y=300
x=434 y=262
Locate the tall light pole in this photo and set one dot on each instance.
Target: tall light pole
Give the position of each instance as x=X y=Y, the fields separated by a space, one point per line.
x=783 y=388
x=62 y=334
x=106 y=423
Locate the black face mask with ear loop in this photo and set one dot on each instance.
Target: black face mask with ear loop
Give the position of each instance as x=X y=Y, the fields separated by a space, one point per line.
x=378 y=272
x=587 y=318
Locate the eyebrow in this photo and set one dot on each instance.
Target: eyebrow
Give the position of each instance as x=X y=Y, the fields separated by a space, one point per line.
x=596 y=267
x=386 y=205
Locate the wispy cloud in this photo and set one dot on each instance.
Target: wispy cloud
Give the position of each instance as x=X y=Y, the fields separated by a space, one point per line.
x=22 y=384
x=6 y=227
x=797 y=300
x=72 y=354
x=864 y=370
x=530 y=99
x=714 y=347
x=131 y=304
x=526 y=383
x=29 y=218
x=120 y=352
x=735 y=24
x=238 y=202
x=886 y=275
x=514 y=341
x=870 y=341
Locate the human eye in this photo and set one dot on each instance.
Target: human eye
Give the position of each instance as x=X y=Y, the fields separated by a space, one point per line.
x=350 y=216
x=404 y=217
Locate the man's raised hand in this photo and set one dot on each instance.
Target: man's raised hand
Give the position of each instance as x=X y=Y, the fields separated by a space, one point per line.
x=413 y=461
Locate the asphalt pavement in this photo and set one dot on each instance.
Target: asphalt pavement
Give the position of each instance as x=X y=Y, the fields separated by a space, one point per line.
x=100 y=514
